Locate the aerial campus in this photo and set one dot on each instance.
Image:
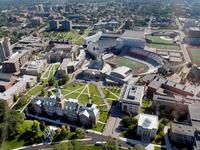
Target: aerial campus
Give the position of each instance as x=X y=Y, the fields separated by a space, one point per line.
x=100 y=75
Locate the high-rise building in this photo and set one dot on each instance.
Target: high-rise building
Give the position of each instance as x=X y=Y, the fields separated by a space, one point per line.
x=5 y=49
x=66 y=25
x=40 y=8
x=53 y=24
x=63 y=25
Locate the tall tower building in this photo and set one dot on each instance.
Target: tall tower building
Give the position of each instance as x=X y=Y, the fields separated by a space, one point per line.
x=5 y=49
x=7 y=46
x=66 y=25
x=53 y=25
x=40 y=8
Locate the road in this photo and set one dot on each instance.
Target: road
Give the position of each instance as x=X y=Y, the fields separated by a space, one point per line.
x=148 y=29
x=120 y=27
x=182 y=45
x=93 y=139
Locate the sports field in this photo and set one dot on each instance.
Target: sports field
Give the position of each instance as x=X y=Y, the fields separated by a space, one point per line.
x=135 y=66
x=194 y=55
x=161 y=43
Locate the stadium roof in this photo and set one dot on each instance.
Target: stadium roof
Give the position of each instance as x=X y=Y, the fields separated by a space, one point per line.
x=122 y=70
x=132 y=34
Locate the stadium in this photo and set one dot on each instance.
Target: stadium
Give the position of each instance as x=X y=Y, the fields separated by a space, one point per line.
x=133 y=50
x=147 y=56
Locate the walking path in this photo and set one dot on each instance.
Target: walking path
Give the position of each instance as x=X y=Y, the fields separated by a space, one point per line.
x=31 y=146
x=73 y=91
x=103 y=96
x=148 y=146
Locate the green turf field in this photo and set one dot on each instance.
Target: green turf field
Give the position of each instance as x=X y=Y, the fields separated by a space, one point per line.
x=196 y=55
x=158 y=42
x=135 y=66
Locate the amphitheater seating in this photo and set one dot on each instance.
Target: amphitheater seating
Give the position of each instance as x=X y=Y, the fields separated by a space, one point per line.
x=150 y=57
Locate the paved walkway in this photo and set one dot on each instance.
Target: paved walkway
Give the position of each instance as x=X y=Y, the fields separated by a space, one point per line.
x=168 y=145
x=103 y=96
x=35 y=145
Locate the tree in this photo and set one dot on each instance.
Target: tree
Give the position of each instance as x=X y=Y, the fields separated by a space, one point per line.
x=51 y=81
x=65 y=130
x=138 y=147
x=33 y=134
x=58 y=131
x=63 y=146
x=42 y=92
x=3 y=109
x=158 y=138
x=15 y=98
x=65 y=78
x=80 y=133
x=42 y=125
x=12 y=119
x=111 y=144
x=189 y=65
x=18 y=128
x=39 y=77
x=128 y=120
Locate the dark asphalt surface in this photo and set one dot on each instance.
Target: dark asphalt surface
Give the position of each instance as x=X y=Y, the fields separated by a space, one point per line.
x=95 y=138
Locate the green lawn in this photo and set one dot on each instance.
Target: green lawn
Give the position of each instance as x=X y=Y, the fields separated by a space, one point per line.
x=196 y=55
x=72 y=95
x=103 y=116
x=83 y=99
x=47 y=72
x=162 y=46
x=158 y=42
x=93 y=89
x=159 y=148
x=25 y=98
x=97 y=100
x=135 y=66
x=108 y=94
x=73 y=86
x=102 y=108
x=99 y=127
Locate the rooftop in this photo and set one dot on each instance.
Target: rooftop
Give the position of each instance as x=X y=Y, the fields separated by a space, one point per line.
x=133 y=94
x=133 y=34
x=182 y=129
x=194 y=111
x=122 y=70
x=148 y=121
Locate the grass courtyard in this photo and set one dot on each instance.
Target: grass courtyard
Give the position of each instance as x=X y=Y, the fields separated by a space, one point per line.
x=160 y=43
x=135 y=66
x=111 y=93
x=86 y=93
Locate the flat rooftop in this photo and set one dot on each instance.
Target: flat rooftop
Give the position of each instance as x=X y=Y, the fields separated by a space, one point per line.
x=133 y=34
x=182 y=129
x=148 y=121
x=194 y=111
x=133 y=94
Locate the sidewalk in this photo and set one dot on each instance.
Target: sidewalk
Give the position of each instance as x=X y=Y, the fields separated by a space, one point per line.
x=34 y=145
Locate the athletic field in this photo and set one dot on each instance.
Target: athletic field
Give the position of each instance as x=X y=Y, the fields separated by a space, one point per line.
x=161 y=43
x=194 y=55
x=135 y=66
